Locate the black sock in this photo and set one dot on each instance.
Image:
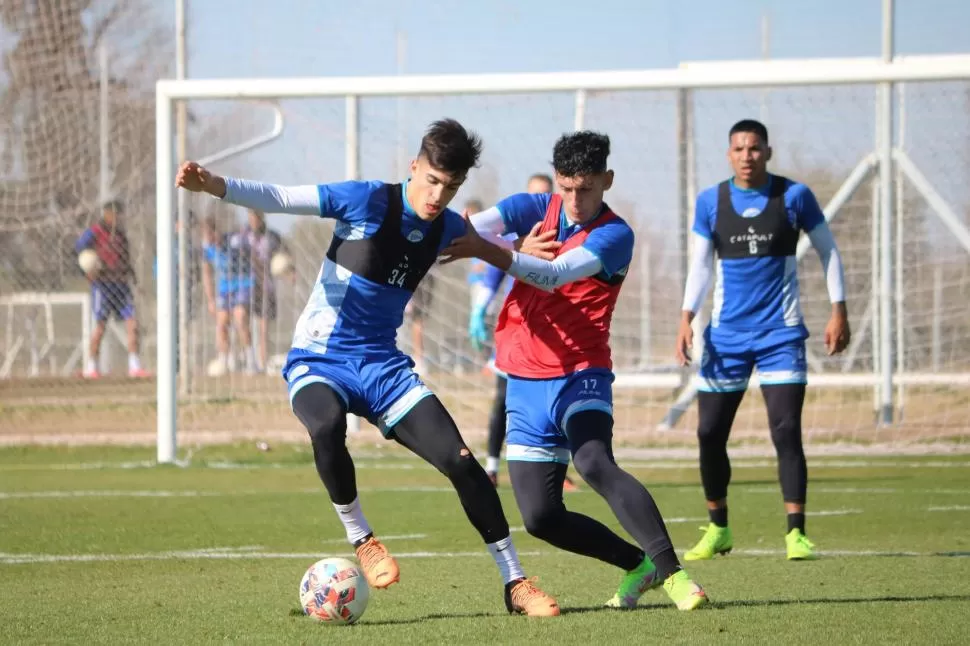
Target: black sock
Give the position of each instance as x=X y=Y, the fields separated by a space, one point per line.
x=666 y=563
x=797 y=521
x=719 y=516
x=360 y=542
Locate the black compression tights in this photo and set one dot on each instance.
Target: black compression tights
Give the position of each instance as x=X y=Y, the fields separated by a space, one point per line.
x=427 y=430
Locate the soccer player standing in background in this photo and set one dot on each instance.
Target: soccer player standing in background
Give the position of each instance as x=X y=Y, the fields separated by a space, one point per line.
x=553 y=343
x=111 y=286
x=751 y=224
x=227 y=281
x=344 y=357
x=263 y=244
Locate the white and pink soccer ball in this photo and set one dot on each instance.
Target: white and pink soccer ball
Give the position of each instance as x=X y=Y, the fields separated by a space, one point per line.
x=334 y=590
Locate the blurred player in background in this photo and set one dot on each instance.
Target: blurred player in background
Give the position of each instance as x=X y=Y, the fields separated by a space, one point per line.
x=482 y=296
x=227 y=281
x=263 y=244
x=344 y=358
x=476 y=268
x=111 y=286
x=751 y=224
x=553 y=343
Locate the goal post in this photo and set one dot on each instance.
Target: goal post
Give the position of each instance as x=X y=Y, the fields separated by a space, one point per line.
x=586 y=90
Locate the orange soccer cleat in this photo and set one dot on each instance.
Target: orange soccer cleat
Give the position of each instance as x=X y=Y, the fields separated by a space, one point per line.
x=522 y=596
x=378 y=565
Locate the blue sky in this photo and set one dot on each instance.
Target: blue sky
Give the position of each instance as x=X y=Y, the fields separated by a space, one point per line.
x=833 y=127
x=327 y=37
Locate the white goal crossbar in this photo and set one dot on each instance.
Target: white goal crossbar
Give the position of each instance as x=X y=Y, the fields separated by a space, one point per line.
x=753 y=74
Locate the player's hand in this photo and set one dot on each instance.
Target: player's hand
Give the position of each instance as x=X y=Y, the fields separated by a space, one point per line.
x=541 y=245
x=193 y=177
x=477 y=333
x=837 y=332
x=685 y=342
x=466 y=246
x=212 y=307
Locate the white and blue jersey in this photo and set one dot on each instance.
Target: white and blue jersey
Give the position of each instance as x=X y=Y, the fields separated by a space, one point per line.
x=229 y=257
x=346 y=335
x=757 y=317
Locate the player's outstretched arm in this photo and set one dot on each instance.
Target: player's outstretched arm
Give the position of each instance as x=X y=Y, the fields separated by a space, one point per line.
x=695 y=291
x=271 y=198
x=542 y=269
x=837 y=332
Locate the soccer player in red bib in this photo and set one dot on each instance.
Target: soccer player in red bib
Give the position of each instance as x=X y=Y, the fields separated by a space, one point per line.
x=553 y=343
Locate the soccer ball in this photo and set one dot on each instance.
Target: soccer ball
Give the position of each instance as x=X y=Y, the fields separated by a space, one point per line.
x=216 y=368
x=89 y=261
x=335 y=591
x=280 y=264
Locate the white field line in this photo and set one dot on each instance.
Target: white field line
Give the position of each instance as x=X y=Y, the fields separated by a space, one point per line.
x=399 y=537
x=161 y=493
x=252 y=553
x=950 y=508
x=857 y=490
x=402 y=465
x=150 y=493
x=834 y=512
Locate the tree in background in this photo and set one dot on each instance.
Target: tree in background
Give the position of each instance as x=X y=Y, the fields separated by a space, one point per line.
x=49 y=130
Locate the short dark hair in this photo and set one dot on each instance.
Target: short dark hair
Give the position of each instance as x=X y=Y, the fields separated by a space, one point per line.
x=542 y=177
x=581 y=153
x=113 y=205
x=449 y=147
x=752 y=126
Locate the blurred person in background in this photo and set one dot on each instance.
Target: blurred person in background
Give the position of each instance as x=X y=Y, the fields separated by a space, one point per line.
x=111 y=285
x=263 y=244
x=227 y=282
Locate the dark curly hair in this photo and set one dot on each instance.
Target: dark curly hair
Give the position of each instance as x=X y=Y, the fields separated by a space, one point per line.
x=581 y=153
x=449 y=147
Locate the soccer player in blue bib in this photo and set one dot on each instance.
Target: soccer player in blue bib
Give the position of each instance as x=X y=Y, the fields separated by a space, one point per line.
x=749 y=226
x=344 y=357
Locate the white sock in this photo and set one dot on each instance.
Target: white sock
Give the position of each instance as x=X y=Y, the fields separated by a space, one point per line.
x=250 y=358
x=353 y=519
x=92 y=366
x=507 y=559
x=491 y=464
x=133 y=362
x=223 y=358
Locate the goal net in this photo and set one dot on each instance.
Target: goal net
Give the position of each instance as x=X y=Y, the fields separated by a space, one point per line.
x=668 y=142
x=76 y=129
x=669 y=136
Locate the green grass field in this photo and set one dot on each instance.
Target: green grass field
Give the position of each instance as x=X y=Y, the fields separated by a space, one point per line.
x=99 y=547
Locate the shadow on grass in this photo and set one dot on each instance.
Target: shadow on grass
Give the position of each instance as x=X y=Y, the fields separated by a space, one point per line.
x=715 y=605
x=764 y=603
x=745 y=603
x=298 y=612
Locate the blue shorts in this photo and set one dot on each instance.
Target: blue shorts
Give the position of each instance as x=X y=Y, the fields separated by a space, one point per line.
x=537 y=411
x=730 y=357
x=261 y=303
x=382 y=388
x=228 y=300
x=112 y=298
